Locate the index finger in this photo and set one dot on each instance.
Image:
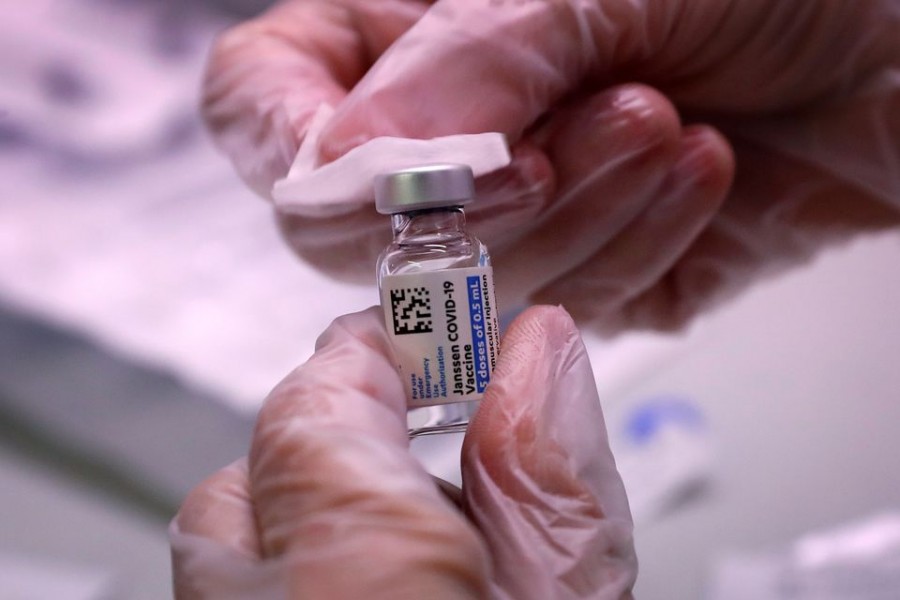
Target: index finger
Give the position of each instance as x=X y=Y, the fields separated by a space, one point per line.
x=467 y=67
x=266 y=77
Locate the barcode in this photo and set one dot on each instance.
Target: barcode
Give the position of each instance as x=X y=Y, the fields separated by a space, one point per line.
x=411 y=308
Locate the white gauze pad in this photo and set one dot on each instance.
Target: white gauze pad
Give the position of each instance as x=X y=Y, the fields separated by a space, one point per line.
x=344 y=185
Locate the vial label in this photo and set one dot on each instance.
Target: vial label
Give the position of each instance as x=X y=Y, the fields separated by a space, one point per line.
x=443 y=327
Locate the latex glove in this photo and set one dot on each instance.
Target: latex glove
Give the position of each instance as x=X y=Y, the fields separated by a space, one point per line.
x=331 y=505
x=612 y=206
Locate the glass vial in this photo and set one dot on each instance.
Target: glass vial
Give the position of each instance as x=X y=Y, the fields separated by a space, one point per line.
x=437 y=293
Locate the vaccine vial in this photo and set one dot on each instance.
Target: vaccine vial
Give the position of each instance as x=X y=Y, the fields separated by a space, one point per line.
x=437 y=293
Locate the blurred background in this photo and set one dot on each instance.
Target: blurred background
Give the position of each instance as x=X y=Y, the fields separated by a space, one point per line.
x=147 y=305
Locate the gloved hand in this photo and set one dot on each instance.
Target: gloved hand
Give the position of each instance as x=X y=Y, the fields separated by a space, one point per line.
x=330 y=504
x=612 y=205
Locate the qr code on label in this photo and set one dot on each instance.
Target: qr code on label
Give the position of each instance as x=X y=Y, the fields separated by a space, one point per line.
x=411 y=308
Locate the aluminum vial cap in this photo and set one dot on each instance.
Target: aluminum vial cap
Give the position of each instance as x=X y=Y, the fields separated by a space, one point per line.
x=428 y=186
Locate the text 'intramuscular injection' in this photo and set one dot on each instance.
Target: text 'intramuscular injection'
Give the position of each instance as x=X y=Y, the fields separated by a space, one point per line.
x=437 y=292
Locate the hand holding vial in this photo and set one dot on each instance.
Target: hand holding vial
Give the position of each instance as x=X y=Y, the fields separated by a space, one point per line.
x=330 y=504
x=627 y=121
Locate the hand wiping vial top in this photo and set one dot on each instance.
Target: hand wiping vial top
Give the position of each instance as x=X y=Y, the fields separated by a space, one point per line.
x=665 y=154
